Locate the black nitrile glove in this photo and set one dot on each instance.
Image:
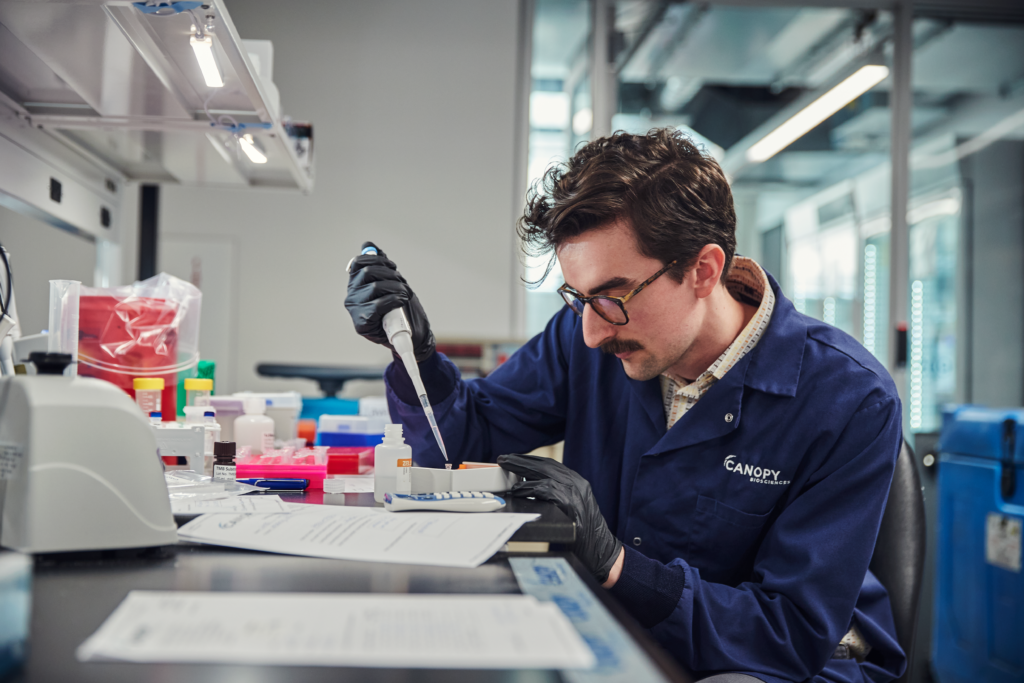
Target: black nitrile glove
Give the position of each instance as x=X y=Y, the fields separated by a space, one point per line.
x=375 y=288
x=546 y=479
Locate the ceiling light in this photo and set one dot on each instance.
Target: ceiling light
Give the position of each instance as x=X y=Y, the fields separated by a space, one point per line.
x=203 y=47
x=817 y=111
x=251 y=150
x=583 y=121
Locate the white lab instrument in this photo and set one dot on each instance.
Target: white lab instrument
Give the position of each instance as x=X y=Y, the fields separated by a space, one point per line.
x=80 y=464
x=452 y=501
x=434 y=480
x=386 y=458
x=399 y=332
x=182 y=440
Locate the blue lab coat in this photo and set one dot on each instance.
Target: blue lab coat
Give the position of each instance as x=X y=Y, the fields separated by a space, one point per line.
x=749 y=525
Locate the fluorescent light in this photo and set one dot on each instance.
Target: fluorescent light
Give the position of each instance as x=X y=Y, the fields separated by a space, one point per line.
x=817 y=111
x=583 y=121
x=250 y=149
x=203 y=48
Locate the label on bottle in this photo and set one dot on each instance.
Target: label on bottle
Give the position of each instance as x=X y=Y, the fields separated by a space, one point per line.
x=224 y=473
x=403 y=483
x=268 y=442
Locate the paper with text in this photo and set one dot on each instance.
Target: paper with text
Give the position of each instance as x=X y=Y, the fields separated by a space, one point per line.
x=446 y=539
x=330 y=629
x=261 y=503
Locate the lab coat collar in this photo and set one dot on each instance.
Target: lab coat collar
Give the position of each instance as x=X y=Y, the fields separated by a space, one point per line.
x=775 y=361
x=773 y=366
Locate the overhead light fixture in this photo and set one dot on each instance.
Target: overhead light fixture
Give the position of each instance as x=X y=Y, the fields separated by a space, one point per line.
x=817 y=111
x=251 y=150
x=202 y=44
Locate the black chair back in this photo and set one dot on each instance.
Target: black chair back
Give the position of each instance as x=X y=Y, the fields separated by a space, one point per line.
x=898 y=560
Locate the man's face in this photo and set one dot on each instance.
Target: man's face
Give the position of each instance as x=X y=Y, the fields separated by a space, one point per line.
x=663 y=318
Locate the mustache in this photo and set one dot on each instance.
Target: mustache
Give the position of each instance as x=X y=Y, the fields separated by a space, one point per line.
x=620 y=346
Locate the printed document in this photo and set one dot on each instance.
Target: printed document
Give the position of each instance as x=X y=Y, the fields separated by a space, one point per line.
x=332 y=629
x=446 y=539
x=261 y=503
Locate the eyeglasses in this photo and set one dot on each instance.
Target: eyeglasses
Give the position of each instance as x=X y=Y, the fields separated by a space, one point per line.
x=610 y=308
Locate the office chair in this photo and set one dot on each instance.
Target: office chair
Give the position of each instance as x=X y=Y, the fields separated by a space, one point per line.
x=898 y=560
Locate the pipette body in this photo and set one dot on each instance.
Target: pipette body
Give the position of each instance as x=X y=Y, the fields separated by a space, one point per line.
x=399 y=333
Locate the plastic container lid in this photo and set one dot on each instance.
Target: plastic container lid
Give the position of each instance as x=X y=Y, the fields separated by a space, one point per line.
x=284 y=399
x=255 y=405
x=148 y=383
x=352 y=424
x=223 y=447
x=227 y=406
x=194 y=413
x=198 y=384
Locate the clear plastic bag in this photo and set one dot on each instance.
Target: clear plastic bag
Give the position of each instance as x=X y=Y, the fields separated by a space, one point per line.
x=147 y=329
x=189 y=485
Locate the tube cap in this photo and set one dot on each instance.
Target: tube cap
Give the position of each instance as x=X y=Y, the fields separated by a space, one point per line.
x=148 y=383
x=198 y=384
x=194 y=414
x=223 y=448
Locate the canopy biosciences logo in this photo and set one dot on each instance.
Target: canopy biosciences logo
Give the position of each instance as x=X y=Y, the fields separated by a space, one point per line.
x=758 y=475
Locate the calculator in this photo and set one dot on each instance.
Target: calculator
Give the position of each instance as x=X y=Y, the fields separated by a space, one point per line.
x=449 y=501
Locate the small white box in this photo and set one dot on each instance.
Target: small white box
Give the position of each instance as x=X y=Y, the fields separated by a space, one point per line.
x=352 y=424
x=435 y=480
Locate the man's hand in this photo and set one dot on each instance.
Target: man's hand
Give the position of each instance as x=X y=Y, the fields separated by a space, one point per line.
x=375 y=288
x=546 y=479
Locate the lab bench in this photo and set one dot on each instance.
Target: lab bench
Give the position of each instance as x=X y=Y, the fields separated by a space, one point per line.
x=74 y=593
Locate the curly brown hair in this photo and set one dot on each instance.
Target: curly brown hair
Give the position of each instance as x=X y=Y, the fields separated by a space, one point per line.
x=672 y=193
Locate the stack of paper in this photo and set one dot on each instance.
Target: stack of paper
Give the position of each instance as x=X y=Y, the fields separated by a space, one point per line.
x=262 y=503
x=447 y=539
x=317 y=629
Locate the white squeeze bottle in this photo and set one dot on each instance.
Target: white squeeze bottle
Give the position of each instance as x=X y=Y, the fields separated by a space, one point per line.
x=385 y=461
x=254 y=429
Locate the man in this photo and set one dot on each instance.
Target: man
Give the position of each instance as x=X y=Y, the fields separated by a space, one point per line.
x=741 y=451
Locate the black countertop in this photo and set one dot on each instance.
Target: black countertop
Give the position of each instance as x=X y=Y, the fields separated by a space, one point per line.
x=73 y=593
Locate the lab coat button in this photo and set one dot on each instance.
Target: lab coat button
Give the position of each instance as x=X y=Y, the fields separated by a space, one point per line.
x=728 y=417
x=636 y=541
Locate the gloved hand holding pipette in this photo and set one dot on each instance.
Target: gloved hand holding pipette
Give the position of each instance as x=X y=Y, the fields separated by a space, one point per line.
x=375 y=288
x=386 y=311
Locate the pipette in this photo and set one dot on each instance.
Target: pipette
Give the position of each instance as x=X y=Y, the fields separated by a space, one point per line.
x=399 y=332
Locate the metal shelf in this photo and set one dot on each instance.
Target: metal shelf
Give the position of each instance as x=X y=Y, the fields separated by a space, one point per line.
x=123 y=89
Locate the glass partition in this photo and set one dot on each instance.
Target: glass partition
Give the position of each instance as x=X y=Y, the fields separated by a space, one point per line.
x=561 y=116
x=794 y=102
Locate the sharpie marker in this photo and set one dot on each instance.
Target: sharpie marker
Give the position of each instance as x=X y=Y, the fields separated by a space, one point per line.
x=277 y=484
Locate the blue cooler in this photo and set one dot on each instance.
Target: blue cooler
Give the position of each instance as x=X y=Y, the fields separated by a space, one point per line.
x=979 y=591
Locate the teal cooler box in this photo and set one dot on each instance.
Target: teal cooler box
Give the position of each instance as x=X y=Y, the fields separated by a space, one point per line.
x=979 y=591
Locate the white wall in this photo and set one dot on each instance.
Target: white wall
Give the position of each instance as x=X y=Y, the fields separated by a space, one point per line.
x=40 y=253
x=413 y=104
